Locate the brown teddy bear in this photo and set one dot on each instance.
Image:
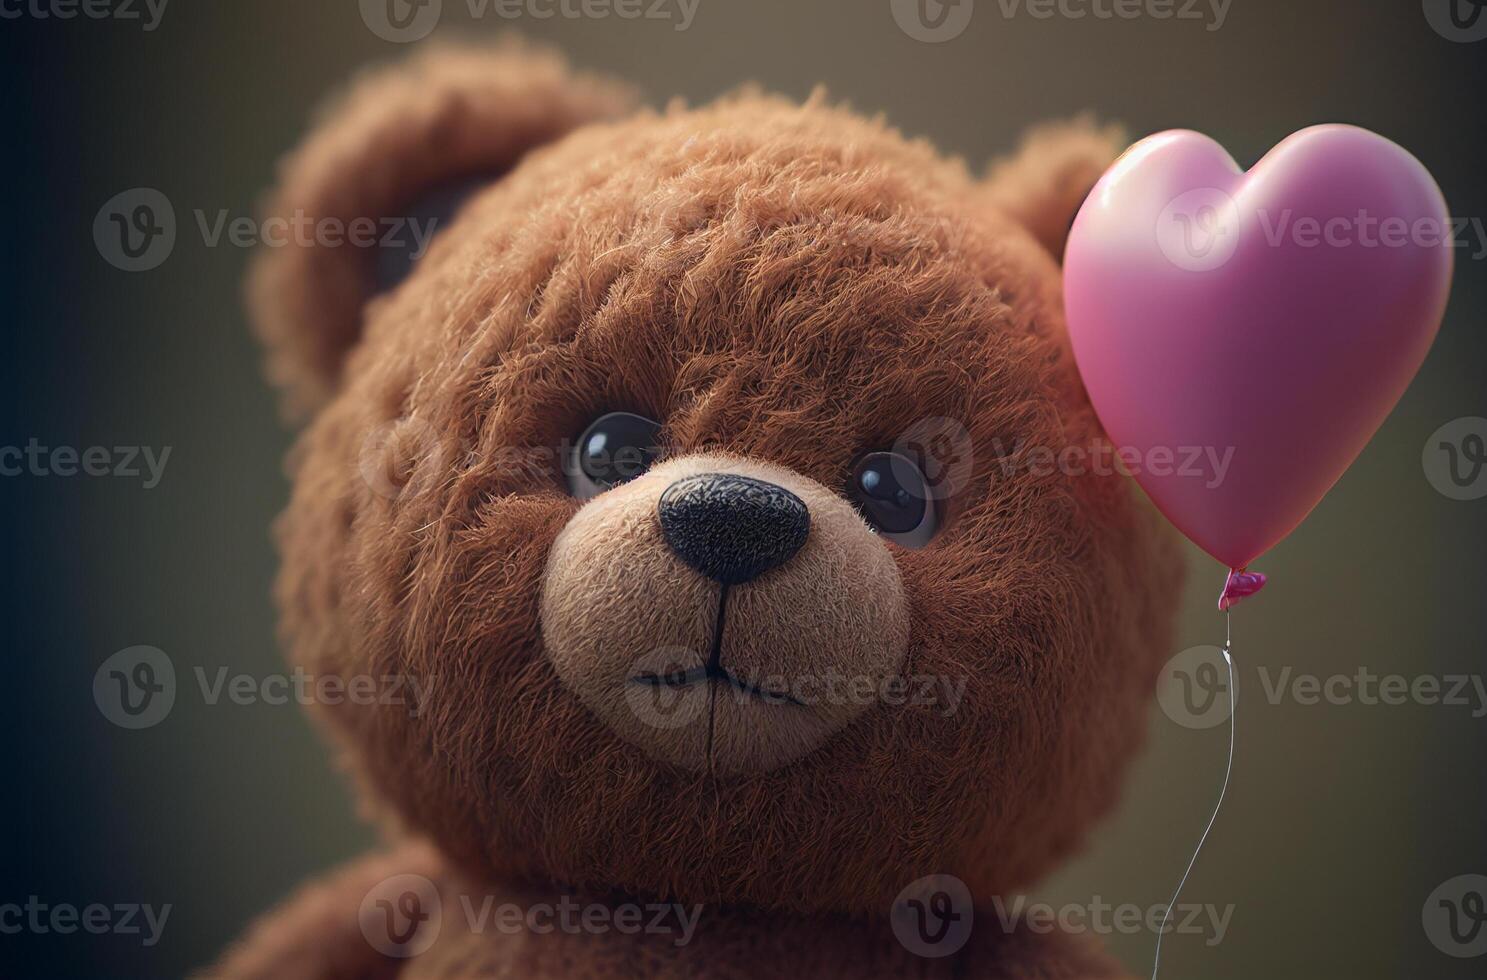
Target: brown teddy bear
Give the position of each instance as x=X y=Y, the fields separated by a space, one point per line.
x=698 y=493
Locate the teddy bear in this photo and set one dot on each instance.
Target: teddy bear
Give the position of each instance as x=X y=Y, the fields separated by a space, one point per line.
x=689 y=479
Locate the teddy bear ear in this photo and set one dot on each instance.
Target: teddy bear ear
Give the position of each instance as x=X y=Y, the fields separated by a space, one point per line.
x=1043 y=183
x=383 y=166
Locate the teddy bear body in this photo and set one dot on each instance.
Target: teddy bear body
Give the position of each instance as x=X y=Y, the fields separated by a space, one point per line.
x=729 y=677
x=483 y=931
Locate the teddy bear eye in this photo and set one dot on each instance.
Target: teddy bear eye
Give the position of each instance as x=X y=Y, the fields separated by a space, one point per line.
x=891 y=492
x=614 y=448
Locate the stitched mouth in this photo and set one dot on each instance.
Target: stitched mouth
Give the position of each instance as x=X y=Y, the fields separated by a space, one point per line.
x=715 y=676
x=712 y=671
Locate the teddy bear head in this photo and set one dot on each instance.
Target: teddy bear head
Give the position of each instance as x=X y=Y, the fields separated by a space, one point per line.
x=687 y=487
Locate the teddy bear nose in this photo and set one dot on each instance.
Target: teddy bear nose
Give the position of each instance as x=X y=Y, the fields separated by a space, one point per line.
x=732 y=528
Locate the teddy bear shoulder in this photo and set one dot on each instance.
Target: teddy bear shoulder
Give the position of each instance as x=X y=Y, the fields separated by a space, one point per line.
x=404 y=913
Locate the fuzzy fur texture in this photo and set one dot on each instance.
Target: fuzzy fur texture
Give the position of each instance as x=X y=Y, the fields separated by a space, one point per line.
x=790 y=284
x=317 y=934
x=448 y=116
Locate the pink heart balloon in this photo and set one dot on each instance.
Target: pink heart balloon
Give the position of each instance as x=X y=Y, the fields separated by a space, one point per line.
x=1271 y=319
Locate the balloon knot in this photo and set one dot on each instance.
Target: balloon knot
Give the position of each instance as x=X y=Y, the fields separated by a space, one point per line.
x=1238 y=585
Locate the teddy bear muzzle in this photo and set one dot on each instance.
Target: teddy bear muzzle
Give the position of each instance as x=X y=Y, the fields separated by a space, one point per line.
x=722 y=613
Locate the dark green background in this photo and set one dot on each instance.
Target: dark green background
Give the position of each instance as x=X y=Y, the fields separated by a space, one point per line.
x=1341 y=819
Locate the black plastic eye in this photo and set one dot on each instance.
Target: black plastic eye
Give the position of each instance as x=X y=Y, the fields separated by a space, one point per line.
x=892 y=493
x=615 y=448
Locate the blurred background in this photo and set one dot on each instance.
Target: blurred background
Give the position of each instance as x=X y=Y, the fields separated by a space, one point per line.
x=1344 y=819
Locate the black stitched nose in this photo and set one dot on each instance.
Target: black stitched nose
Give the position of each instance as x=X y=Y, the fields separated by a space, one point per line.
x=732 y=528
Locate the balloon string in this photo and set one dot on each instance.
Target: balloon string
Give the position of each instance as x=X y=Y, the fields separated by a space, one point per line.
x=1228 y=771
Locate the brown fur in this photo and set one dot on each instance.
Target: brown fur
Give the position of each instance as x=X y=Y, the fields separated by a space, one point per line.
x=792 y=284
x=449 y=115
x=316 y=935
